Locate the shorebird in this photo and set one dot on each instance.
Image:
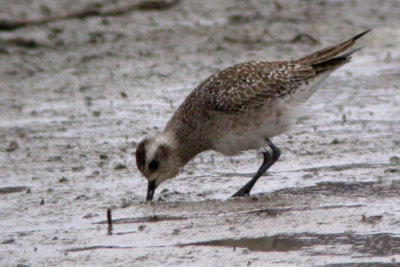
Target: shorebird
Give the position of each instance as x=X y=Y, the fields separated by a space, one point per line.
x=236 y=109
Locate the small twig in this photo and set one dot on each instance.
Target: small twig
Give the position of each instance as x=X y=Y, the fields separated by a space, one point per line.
x=109 y=221
x=145 y=5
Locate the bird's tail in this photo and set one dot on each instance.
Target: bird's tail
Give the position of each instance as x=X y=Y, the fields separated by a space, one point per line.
x=332 y=57
x=325 y=61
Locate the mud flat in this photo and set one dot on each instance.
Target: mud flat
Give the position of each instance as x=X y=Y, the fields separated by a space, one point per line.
x=78 y=94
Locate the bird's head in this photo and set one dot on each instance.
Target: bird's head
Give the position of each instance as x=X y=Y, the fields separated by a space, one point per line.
x=157 y=160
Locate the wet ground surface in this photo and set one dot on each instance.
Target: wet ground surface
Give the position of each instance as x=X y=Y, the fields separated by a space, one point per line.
x=77 y=95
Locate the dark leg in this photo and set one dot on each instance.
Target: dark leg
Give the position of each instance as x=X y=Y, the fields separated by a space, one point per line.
x=269 y=160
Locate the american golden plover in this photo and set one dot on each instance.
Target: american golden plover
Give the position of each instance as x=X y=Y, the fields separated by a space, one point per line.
x=237 y=109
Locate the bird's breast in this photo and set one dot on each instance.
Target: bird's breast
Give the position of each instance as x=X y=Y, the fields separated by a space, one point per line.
x=231 y=134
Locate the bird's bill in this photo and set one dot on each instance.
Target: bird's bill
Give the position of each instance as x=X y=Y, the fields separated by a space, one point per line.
x=151 y=188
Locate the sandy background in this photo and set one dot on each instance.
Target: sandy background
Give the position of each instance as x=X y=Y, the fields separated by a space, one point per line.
x=77 y=95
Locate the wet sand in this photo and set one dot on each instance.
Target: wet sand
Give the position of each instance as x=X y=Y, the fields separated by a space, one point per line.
x=76 y=96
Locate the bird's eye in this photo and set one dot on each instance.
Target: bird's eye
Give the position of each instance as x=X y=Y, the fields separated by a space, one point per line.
x=153 y=165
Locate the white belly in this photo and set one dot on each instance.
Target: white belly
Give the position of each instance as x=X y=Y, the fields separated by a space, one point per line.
x=249 y=130
x=240 y=132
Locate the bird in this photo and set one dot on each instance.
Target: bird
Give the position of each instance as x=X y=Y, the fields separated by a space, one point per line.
x=236 y=109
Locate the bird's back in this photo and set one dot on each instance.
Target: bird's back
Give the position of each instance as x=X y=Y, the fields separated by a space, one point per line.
x=251 y=101
x=246 y=86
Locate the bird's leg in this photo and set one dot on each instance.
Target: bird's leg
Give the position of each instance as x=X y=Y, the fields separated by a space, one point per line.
x=269 y=160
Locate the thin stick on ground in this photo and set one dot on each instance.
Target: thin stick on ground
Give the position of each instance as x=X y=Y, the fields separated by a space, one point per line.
x=109 y=221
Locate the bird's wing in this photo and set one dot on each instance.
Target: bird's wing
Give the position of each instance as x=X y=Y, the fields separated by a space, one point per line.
x=249 y=85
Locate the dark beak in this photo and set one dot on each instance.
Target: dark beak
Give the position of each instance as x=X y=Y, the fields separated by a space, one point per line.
x=151 y=188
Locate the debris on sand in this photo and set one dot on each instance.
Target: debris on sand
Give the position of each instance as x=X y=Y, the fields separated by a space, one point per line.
x=12 y=146
x=394 y=160
x=371 y=219
x=12 y=189
x=119 y=166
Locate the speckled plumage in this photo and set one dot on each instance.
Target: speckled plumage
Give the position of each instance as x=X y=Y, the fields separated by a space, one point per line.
x=240 y=107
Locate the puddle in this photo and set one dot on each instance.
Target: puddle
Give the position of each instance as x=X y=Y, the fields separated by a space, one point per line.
x=376 y=245
x=312 y=244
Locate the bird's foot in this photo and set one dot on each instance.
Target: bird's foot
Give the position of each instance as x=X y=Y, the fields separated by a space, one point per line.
x=243 y=192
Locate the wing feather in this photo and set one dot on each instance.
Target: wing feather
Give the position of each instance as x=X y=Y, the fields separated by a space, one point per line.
x=252 y=84
x=249 y=85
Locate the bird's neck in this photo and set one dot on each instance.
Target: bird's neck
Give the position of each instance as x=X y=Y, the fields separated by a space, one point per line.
x=184 y=145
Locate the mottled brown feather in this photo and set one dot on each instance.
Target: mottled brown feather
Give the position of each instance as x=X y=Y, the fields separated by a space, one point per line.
x=248 y=85
x=251 y=84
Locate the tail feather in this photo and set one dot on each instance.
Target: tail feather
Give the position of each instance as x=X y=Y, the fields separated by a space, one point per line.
x=349 y=53
x=336 y=62
x=324 y=62
x=330 y=52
